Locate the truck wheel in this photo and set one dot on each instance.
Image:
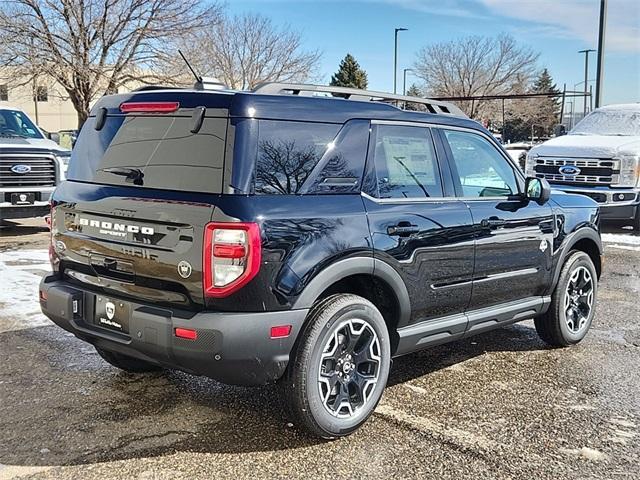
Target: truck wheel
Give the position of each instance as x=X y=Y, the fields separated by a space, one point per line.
x=340 y=367
x=636 y=222
x=572 y=303
x=128 y=364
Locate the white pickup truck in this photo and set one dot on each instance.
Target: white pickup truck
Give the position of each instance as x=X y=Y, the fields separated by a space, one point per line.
x=599 y=158
x=30 y=166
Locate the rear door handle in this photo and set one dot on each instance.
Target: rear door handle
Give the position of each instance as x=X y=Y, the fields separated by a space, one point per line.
x=492 y=222
x=403 y=229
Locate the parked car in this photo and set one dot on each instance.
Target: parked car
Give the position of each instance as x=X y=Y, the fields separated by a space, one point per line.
x=30 y=166
x=518 y=152
x=274 y=235
x=599 y=158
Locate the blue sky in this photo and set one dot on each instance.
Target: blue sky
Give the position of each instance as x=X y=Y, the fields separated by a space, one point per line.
x=555 y=28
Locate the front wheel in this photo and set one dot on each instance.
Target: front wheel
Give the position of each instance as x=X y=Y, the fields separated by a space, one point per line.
x=340 y=367
x=572 y=304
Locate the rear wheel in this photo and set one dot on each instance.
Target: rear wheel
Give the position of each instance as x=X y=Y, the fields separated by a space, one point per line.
x=636 y=222
x=128 y=364
x=339 y=370
x=572 y=303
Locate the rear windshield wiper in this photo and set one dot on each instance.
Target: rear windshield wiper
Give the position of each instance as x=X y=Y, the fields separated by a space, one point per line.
x=133 y=174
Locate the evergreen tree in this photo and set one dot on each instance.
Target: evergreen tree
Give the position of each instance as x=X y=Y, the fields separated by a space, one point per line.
x=349 y=74
x=414 y=91
x=547 y=108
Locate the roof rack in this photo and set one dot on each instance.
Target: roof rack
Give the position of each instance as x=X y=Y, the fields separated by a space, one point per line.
x=301 y=89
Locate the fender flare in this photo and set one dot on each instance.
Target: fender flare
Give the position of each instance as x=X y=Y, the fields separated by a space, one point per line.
x=569 y=243
x=357 y=266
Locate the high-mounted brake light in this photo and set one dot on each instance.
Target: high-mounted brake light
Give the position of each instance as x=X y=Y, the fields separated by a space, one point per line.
x=149 y=107
x=232 y=256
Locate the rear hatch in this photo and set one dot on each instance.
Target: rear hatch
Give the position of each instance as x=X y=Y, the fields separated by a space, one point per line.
x=143 y=180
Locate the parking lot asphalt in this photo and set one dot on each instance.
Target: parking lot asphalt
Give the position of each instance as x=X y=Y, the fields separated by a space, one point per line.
x=499 y=405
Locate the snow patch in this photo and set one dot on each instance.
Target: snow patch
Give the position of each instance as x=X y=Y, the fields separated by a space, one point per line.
x=621 y=239
x=21 y=272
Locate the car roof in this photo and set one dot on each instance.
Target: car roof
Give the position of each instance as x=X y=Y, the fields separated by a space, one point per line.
x=633 y=107
x=282 y=107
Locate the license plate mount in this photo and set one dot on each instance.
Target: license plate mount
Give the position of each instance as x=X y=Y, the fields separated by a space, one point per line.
x=112 y=314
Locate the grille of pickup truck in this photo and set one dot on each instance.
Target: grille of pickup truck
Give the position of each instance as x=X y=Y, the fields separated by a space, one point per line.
x=27 y=171
x=586 y=170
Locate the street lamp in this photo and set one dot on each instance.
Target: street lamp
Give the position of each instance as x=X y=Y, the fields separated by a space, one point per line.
x=395 y=57
x=586 y=76
x=404 y=79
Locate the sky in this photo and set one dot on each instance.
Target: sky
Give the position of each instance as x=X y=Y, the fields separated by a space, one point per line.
x=557 y=29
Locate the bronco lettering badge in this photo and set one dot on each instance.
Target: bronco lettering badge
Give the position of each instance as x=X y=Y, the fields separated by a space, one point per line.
x=114 y=228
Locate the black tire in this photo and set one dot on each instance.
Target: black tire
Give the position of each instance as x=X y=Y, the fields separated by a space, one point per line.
x=563 y=324
x=336 y=322
x=636 y=221
x=128 y=364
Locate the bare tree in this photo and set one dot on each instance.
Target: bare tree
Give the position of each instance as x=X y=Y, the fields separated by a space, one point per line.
x=93 y=47
x=245 y=50
x=474 y=66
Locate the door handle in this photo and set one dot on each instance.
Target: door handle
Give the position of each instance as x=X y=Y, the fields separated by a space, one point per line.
x=493 y=222
x=403 y=229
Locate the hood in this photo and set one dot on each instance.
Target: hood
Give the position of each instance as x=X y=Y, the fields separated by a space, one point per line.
x=588 y=146
x=30 y=143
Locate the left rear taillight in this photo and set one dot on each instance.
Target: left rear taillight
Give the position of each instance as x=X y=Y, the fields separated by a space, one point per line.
x=232 y=256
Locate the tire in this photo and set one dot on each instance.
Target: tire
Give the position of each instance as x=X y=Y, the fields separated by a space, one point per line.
x=568 y=320
x=636 y=221
x=128 y=364
x=337 y=402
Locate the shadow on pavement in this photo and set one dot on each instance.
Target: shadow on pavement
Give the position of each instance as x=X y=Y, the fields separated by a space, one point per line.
x=60 y=404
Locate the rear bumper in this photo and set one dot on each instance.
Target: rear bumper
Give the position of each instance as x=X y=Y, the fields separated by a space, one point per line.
x=233 y=348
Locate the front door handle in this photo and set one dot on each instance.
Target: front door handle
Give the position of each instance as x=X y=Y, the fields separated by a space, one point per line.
x=403 y=229
x=493 y=222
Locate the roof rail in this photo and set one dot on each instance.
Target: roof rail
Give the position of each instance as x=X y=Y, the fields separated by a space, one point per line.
x=301 y=89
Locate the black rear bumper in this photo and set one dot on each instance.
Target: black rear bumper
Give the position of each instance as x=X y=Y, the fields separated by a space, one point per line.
x=233 y=348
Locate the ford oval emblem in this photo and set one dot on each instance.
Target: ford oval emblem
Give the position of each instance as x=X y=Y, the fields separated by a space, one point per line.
x=569 y=170
x=21 y=169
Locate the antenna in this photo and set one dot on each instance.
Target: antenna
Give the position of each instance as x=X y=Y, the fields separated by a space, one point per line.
x=198 y=77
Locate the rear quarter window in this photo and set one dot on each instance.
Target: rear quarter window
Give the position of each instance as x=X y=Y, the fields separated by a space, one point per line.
x=288 y=152
x=162 y=147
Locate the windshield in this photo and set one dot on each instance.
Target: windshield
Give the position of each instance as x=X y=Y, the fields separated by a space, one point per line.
x=622 y=123
x=14 y=123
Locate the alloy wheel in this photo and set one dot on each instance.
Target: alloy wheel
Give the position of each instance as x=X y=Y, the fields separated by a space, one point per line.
x=578 y=299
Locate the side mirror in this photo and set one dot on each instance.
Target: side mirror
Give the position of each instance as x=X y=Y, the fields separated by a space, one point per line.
x=537 y=189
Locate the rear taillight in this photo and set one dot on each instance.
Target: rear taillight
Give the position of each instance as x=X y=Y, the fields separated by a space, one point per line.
x=53 y=255
x=232 y=256
x=149 y=107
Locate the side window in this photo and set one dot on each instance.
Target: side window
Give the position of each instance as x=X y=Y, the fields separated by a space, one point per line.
x=405 y=162
x=288 y=152
x=481 y=170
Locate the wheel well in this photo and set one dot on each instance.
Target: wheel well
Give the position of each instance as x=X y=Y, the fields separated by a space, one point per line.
x=375 y=290
x=590 y=247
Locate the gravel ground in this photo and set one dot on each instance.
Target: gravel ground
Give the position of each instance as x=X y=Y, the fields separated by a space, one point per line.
x=499 y=405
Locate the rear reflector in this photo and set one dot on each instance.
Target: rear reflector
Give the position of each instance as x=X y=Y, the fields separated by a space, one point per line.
x=149 y=107
x=186 y=333
x=280 y=331
x=43 y=295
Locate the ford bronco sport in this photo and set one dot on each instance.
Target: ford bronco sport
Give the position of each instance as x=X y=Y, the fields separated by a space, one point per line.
x=279 y=235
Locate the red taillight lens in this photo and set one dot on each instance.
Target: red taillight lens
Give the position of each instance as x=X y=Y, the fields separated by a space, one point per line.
x=232 y=256
x=149 y=107
x=53 y=255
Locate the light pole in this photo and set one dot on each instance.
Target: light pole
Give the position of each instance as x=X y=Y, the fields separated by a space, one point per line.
x=600 y=67
x=395 y=57
x=404 y=79
x=586 y=77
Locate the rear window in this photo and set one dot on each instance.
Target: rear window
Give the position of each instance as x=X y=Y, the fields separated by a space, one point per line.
x=161 y=147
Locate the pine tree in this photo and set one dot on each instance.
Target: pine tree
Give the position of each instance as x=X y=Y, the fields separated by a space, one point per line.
x=349 y=74
x=414 y=91
x=547 y=108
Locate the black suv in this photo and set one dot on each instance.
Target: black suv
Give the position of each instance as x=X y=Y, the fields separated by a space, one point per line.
x=282 y=235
